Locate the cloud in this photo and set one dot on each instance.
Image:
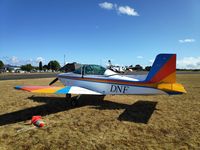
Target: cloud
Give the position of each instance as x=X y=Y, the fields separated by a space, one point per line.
x=126 y=10
x=10 y=60
x=151 y=61
x=189 y=63
x=140 y=57
x=38 y=59
x=185 y=63
x=15 y=61
x=28 y=61
x=106 y=5
x=187 y=41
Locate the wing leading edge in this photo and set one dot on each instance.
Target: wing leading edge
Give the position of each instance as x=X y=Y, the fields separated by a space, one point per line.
x=57 y=90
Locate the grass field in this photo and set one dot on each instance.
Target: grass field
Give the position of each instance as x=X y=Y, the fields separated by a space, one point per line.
x=111 y=122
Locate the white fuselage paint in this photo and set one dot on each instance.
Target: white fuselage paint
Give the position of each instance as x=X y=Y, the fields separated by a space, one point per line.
x=69 y=79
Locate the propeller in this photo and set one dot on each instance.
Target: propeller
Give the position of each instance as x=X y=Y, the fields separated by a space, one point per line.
x=52 y=82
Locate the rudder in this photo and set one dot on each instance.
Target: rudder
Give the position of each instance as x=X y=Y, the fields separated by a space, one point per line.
x=163 y=69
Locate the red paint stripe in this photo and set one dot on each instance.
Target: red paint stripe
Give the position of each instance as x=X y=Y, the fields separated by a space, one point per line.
x=132 y=83
x=166 y=70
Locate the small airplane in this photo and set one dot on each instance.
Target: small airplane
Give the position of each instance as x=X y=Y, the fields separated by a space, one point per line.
x=97 y=80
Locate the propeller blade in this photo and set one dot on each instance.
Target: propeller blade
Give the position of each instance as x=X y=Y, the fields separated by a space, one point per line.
x=52 y=82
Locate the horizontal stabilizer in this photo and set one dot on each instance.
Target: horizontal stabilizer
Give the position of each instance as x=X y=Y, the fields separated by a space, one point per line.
x=172 y=87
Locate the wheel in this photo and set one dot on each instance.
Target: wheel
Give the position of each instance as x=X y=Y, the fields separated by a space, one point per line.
x=68 y=96
x=74 y=102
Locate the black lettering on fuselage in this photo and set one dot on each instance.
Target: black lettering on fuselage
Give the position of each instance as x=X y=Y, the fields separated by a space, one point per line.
x=113 y=88
x=119 y=88
x=125 y=89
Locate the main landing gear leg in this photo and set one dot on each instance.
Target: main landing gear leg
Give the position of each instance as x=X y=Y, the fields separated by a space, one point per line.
x=73 y=101
x=68 y=96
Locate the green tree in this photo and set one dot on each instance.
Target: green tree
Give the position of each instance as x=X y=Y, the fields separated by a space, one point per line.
x=148 y=68
x=27 y=67
x=45 y=67
x=54 y=65
x=131 y=67
x=138 y=67
x=40 y=65
x=1 y=64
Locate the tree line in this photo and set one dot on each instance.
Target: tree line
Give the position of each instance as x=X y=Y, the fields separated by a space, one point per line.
x=52 y=65
x=55 y=66
x=139 y=67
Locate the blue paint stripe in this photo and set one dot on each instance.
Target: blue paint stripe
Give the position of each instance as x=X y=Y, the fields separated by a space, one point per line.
x=159 y=62
x=18 y=87
x=64 y=90
x=108 y=80
x=112 y=83
x=174 y=93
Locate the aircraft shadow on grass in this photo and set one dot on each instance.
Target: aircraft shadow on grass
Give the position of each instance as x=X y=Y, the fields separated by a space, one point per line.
x=139 y=112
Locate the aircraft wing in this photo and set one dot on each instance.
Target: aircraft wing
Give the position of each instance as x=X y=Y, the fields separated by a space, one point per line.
x=57 y=90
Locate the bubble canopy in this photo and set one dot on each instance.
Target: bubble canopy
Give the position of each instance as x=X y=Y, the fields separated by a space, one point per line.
x=90 y=70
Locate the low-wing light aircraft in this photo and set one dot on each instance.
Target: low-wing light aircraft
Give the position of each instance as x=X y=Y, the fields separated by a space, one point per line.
x=96 y=80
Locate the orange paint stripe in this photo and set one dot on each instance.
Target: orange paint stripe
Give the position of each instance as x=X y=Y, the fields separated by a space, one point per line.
x=170 y=78
x=131 y=83
x=166 y=70
x=34 y=88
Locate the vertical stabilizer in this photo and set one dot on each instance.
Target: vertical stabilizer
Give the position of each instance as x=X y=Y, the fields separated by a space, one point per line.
x=163 y=69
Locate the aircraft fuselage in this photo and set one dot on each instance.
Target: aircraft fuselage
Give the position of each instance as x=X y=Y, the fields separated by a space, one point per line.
x=115 y=84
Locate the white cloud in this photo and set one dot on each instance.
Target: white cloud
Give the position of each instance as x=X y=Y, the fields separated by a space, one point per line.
x=185 y=63
x=38 y=59
x=189 y=63
x=11 y=60
x=187 y=41
x=14 y=60
x=151 y=61
x=140 y=57
x=17 y=62
x=127 y=10
x=28 y=61
x=106 y=5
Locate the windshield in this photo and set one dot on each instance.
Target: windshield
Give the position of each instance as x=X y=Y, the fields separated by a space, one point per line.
x=78 y=71
x=94 y=70
x=91 y=70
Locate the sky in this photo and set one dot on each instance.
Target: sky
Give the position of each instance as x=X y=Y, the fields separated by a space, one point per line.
x=127 y=32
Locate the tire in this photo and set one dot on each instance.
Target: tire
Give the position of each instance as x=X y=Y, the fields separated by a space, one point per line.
x=68 y=96
x=74 y=102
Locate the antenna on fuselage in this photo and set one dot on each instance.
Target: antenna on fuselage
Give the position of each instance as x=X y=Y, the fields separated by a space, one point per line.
x=82 y=70
x=64 y=60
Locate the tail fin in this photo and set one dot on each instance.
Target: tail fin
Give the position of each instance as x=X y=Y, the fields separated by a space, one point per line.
x=163 y=69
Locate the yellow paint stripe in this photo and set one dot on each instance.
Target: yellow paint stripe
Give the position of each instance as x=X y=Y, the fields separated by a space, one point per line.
x=112 y=81
x=47 y=90
x=170 y=79
x=179 y=88
x=175 y=87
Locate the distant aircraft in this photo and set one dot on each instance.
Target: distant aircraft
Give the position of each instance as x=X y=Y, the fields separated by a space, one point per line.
x=118 y=69
x=96 y=80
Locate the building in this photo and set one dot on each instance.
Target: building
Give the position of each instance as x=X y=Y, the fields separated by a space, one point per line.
x=10 y=68
x=70 y=67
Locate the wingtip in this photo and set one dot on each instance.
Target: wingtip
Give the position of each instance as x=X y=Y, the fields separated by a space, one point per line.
x=18 y=87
